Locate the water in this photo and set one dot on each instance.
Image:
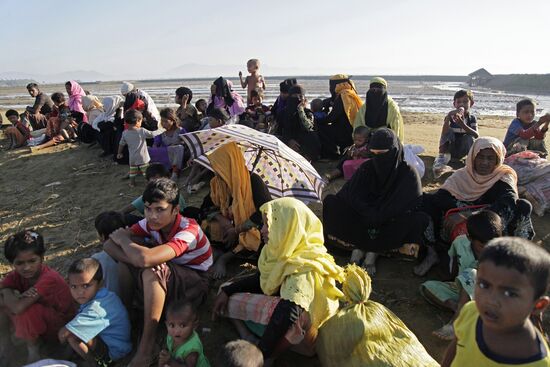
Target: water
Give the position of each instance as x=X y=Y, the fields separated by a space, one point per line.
x=417 y=96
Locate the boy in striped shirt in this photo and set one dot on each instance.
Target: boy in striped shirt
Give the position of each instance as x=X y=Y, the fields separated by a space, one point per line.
x=166 y=255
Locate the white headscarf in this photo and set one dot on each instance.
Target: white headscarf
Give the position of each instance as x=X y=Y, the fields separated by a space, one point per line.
x=151 y=106
x=110 y=105
x=126 y=88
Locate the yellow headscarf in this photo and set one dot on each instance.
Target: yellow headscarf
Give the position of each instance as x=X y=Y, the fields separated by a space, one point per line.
x=352 y=102
x=295 y=261
x=232 y=181
x=467 y=185
x=379 y=80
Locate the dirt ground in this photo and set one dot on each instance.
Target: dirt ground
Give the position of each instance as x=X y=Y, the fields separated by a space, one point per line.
x=60 y=190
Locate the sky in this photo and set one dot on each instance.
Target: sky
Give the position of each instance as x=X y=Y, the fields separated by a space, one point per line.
x=139 y=38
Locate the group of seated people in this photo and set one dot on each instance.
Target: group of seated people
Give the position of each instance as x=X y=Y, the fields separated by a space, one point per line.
x=155 y=265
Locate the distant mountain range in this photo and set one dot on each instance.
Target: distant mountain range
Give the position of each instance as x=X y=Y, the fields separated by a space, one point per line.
x=81 y=75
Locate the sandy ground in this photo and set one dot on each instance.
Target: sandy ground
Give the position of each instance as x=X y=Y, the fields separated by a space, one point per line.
x=60 y=190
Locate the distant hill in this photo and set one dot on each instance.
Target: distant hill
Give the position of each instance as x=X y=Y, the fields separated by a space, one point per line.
x=80 y=75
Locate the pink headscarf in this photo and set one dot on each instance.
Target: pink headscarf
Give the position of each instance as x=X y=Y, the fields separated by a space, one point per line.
x=467 y=185
x=75 y=99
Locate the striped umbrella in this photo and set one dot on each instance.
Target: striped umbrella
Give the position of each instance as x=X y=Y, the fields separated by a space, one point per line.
x=284 y=171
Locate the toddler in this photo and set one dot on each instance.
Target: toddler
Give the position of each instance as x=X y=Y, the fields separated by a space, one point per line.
x=524 y=133
x=254 y=81
x=242 y=353
x=33 y=298
x=100 y=332
x=497 y=329
x=135 y=137
x=183 y=345
x=358 y=151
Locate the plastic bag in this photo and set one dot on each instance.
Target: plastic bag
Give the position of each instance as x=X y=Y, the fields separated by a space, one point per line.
x=411 y=157
x=365 y=333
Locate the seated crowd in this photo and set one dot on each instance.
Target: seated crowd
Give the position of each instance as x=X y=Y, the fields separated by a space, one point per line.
x=159 y=254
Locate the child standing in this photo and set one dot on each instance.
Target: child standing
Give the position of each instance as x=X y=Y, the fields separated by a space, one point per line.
x=254 y=81
x=358 y=151
x=35 y=298
x=464 y=253
x=524 y=133
x=497 y=328
x=170 y=139
x=458 y=133
x=183 y=345
x=135 y=137
x=100 y=332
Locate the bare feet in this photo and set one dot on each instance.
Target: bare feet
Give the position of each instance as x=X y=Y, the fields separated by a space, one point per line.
x=219 y=269
x=446 y=332
x=370 y=263
x=430 y=260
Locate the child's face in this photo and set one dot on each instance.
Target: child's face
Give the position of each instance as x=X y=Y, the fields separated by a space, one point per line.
x=33 y=91
x=138 y=123
x=463 y=102
x=201 y=106
x=504 y=297
x=359 y=140
x=160 y=214
x=256 y=101
x=167 y=124
x=180 y=325
x=13 y=119
x=526 y=114
x=213 y=89
x=477 y=247
x=251 y=67
x=27 y=264
x=83 y=287
x=214 y=123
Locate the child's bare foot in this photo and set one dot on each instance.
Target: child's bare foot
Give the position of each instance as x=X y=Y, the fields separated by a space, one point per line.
x=430 y=260
x=370 y=263
x=219 y=270
x=356 y=256
x=446 y=332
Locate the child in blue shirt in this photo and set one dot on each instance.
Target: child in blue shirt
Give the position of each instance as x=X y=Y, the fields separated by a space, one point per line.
x=524 y=132
x=458 y=133
x=100 y=332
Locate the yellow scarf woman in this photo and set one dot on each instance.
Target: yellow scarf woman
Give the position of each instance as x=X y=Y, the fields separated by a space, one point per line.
x=231 y=191
x=295 y=262
x=345 y=88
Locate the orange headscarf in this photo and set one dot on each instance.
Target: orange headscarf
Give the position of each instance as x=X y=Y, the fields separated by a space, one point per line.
x=346 y=90
x=232 y=184
x=467 y=185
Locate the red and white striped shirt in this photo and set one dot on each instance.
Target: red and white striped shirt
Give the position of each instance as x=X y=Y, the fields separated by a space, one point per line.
x=186 y=238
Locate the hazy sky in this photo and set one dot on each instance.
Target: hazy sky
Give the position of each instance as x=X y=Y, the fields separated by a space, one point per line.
x=123 y=37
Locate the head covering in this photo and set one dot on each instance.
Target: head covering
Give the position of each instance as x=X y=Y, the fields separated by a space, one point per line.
x=376 y=113
x=226 y=98
x=341 y=85
x=126 y=88
x=75 y=99
x=91 y=102
x=110 y=106
x=181 y=91
x=467 y=185
x=295 y=263
x=285 y=85
x=231 y=190
x=134 y=101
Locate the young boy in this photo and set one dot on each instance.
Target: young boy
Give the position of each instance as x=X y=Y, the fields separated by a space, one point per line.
x=100 y=332
x=497 y=328
x=458 y=133
x=153 y=172
x=524 y=133
x=241 y=353
x=254 y=81
x=135 y=137
x=464 y=252
x=172 y=265
x=19 y=133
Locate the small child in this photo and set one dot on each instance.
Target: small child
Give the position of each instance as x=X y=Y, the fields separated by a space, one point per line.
x=33 y=298
x=241 y=353
x=357 y=152
x=254 y=81
x=319 y=114
x=183 y=345
x=100 y=332
x=187 y=114
x=170 y=139
x=497 y=329
x=464 y=252
x=524 y=133
x=257 y=112
x=458 y=133
x=201 y=105
x=135 y=137
x=153 y=172
x=19 y=133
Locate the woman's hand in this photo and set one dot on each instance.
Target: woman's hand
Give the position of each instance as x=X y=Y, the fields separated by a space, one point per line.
x=220 y=305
